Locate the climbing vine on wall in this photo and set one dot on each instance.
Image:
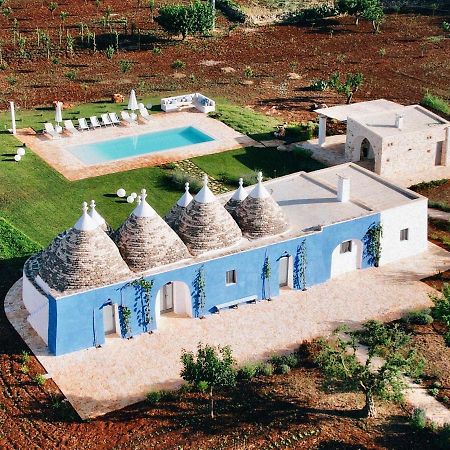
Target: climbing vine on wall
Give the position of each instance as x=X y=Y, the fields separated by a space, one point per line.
x=372 y=244
x=200 y=294
x=266 y=272
x=300 y=266
x=125 y=323
x=145 y=287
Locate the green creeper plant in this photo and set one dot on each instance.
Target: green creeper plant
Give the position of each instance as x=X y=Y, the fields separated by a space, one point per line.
x=200 y=293
x=372 y=243
x=146 y=287
x=266 y=272
x=125 y=316
x=210 y=366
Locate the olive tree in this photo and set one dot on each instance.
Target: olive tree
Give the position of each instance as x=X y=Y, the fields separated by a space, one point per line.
x=353 y=81
x=342 y=368
x=210 y=368
x=367 y=9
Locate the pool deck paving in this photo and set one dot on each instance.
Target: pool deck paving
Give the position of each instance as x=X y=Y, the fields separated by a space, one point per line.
x=100 y=380
x=57 y=155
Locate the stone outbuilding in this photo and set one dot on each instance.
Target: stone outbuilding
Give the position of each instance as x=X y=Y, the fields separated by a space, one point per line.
x=206 y=225
x=146 y=241
x=407 y=144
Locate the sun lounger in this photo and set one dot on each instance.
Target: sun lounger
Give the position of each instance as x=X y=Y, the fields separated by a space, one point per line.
x=144 y=114
x=50 y=130
x=106 y=120
x=82 y=124
x=94 y=122
x=69 y=127
x=114 y=119
x=127 y=118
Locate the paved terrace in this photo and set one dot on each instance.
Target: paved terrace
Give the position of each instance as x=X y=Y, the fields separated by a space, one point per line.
x=97 y=381
x=55 y=152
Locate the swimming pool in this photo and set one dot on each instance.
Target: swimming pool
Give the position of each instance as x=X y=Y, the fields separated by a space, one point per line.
x=130 y=146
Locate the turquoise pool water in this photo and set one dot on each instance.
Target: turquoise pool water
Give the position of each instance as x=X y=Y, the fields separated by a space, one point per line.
x=143 y=144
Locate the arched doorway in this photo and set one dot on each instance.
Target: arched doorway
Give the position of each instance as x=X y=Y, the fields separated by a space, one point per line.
x=366 y=150
x=346 y=257
x=174 y=298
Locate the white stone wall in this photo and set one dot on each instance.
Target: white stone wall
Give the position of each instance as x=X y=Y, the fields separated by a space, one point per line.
x=37 y=307
x=412 y=153
x=412 y=216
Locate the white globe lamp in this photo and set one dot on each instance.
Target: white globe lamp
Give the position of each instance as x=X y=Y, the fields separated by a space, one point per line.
x=21 y=151
x=17 y=158
x=121 y=192
x=133 y=194
x=130 y=199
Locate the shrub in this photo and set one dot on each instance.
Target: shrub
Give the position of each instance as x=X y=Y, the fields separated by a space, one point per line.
x=265 y=369
x=71 y=75
x=178 y=178
x=319 y=85
x=284 y=369
x=289 y=361
x=24 y=357
x=125 y=65
x=231 y=10
x=109 y=52
x=418 y=317
x=247 y=372
x=39 y=379
x=418 y=419
x=434 y=392
x=446 y=26
x=153 y=397
x=178 y=64
x=202 y=386
x=311 y=15
x=248 y=72
x=157 y=51
x=447 y=339
x=434 y=102
x=24 y=369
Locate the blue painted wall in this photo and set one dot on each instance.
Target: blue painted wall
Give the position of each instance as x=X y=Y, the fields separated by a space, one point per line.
x=76 y=321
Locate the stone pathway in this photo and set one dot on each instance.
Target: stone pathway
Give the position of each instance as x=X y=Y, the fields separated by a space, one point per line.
x=415 y=395
x=438 y=214
x=194 y=171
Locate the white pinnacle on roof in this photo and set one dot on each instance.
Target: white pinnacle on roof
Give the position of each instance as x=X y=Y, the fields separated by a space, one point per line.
x=205 y=195
x=143 y=209
x=259 y=190
x=85 y=222
x=186 y=198
x=93 y=213
x=240 y=193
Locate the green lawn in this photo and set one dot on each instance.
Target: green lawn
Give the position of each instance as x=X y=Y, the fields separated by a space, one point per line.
x=40 y=202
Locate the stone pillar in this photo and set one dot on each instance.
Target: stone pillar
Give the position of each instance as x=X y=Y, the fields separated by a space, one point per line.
x=322 y=129
x=13 y=117
x=445 y=159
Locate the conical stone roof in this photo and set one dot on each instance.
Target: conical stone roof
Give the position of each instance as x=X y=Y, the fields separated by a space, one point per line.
x=146 y=241
x=206 y=225
x=259 y=215
x=82 y=257
x=94 y=214
x=173 y=216
x=236 y=199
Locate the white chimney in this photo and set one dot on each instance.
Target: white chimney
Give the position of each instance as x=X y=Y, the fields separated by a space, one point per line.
x=399 y=121
x=343 y=190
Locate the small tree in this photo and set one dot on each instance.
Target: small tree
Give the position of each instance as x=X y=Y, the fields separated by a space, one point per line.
x=337 y=359
x=52 y=7
x=63 y=16
x=210 y=366
x=151 y=7
x=374 y=13
x=353 y=81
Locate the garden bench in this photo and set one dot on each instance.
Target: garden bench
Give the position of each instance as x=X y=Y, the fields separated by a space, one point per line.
x=199 y=101
x=235 y=303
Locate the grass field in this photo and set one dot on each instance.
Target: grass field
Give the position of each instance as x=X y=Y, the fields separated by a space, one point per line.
x=40 y=202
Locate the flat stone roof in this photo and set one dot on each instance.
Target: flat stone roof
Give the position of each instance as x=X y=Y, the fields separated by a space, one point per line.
x=341 y=112
x=415 y=118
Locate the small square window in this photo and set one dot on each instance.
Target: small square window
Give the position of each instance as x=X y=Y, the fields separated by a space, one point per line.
x=346 y=247
x=231 y=277
x=404 y=234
